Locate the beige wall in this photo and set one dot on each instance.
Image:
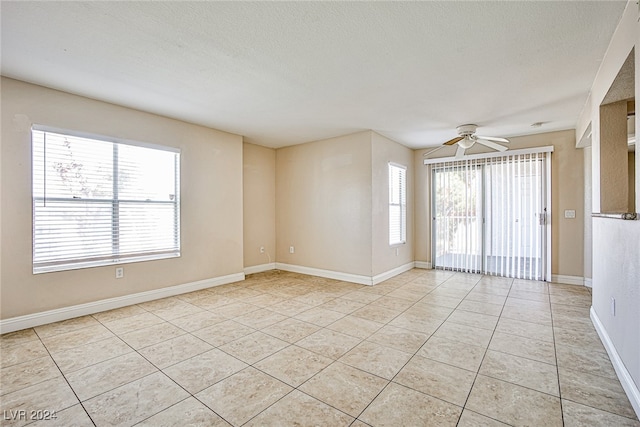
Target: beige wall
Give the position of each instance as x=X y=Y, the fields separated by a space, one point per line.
x=383 y=151
x=613 y=159
x=567 y=192
x=567 y=180
x=332 y=204
x=211 y=191
x=259 y=204
x=323 y=204
x=422 y=209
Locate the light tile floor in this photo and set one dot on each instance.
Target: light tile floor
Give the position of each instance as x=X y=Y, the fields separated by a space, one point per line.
x=425 y=348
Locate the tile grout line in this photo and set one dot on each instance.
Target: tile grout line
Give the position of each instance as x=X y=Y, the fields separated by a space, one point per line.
x=144 y=376
x=338 y=361
x=242 y=298
x=391 y=380
x=414 y=354
x=158 y=369
x=477 y=373
x=555 y=352
x=582 y=371
x=66 y=381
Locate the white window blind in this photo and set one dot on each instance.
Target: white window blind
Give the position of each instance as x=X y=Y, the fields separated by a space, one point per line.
x=98 y=202
x=490 y=215
x=397 y=204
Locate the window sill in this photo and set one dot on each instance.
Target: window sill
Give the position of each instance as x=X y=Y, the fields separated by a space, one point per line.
x=396 y=245
x=101 y=263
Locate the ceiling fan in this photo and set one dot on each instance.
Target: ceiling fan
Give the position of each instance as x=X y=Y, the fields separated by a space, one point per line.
x=467 y=138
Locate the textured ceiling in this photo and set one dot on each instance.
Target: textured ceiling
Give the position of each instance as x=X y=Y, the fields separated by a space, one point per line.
x=283 y=73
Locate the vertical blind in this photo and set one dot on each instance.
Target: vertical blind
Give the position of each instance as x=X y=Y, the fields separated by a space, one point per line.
x=457 y=206
x=98 y=202
x=489 y=215
x=397 y=204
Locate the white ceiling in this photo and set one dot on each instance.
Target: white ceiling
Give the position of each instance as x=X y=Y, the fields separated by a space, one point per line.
x=283 y=73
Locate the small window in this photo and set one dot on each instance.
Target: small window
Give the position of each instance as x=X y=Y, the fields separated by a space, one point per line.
x=397 y=204
x=99 y=202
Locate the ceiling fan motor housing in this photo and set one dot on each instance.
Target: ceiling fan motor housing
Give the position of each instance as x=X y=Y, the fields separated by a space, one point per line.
x=464 y=130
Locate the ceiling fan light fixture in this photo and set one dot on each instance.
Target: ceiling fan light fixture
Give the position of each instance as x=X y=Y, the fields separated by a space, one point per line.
x=466 y=142
x=467 y=138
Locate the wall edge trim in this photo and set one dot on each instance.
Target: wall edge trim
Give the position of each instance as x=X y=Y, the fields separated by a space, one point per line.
x=568 y=280
x=623 y=374
x=329 y=274
x=259 y=268
x=379 y=278
x=64 y=313
x=588 y=282
x=423 y=264
x=347 y=277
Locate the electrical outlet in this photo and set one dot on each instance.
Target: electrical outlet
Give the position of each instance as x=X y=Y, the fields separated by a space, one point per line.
x=261 y=249
x=397 y=251
x=292 y=250
x=119 y=272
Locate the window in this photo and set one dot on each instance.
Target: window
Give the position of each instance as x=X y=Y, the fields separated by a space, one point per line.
x=98 y=202
x=397 y=204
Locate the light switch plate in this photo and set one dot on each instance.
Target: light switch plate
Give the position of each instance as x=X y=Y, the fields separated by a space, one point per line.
x=569 y=213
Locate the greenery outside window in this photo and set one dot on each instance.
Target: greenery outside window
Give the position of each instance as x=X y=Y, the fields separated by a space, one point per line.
x=99 y=202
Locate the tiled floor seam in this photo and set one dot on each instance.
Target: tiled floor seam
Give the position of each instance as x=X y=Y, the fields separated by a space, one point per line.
x=137 y=379
x=168 y=407
x=68 y=384
x=415 y=353
x=484 y=356
x=580 y=370
x=603 y=410
x=405 y=364
x=195 y=397
x=361 y=340
x=555 y=352
x=318 y=373
x=293 y=389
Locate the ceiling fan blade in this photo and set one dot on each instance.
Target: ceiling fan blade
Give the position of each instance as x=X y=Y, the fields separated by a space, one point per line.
x=460 y=152
x=454 y=140
x=494 y=139
x=432 y=151
x=491 y=144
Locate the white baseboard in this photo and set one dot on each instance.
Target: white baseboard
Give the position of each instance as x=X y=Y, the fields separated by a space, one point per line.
x=259 y=268
x=378 y=278
x=588 y=282
x=423 y=264
x=629 y=386
x=329 y=274
x=346 y=277
x=567 y=280
x=50 y=316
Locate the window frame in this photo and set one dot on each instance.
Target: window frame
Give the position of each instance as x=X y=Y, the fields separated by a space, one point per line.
x=402 y=202
x=115 y=257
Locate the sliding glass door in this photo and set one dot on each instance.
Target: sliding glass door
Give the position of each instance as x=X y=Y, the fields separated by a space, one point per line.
x=489 y=215
x=458 y=210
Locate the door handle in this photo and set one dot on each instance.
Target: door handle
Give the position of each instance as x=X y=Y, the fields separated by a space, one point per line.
x=542 y=217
